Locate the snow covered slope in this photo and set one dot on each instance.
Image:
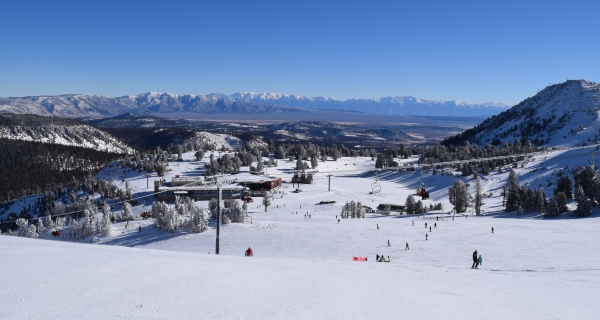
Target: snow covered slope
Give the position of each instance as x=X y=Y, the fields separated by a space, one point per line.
x=216 y=141
x=533 y=268
x=59 y=131
x=565 y=114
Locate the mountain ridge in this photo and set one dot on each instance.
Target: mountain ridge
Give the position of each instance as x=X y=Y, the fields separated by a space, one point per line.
x=79 y=105
x=564 y=114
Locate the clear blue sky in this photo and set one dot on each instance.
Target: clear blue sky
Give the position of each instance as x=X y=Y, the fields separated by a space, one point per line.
x=477 y=51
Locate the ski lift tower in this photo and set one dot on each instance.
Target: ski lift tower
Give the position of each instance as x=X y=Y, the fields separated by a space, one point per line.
x=219 y=185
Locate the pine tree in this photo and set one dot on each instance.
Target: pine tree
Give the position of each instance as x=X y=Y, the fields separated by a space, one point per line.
x=127 y=212
x=458 y=196
x=561 y=201
x=266 y=201
x=409 y=205
x=564 y=185
x=584 y=207
x=513 y=199
x=552 y=208
x=478 y=198
x=198 y=220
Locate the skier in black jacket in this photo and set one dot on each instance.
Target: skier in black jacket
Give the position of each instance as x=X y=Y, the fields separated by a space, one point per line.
x=474 y=260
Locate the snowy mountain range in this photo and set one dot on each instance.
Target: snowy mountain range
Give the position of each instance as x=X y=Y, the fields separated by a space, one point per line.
x=565 y=114
x=79 y=105
x=59 y=131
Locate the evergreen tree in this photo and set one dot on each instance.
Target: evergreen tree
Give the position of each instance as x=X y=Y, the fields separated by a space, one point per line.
x=561 y=201
x=513 y=199
x=584 y=207
x=266 y=201
x=552 y=208
x=478 y=198
x=410 y=204
x=458 y=196
x=564 y=185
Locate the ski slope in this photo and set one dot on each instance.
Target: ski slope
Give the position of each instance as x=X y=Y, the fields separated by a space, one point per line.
x=533 y=268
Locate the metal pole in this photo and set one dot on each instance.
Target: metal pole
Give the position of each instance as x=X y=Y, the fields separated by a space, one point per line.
x=218 y=217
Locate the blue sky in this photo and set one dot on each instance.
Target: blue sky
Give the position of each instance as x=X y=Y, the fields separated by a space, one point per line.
x=477 y=51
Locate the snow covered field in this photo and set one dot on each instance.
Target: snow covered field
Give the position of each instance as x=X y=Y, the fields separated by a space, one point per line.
x=533 y=268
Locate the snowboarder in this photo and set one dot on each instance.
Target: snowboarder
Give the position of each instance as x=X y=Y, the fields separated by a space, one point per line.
x=435 y=225
x=426 y=236
x=388 y=243
x=407 y=248
x=474 y=260
x=479 y=260
x=492 y=229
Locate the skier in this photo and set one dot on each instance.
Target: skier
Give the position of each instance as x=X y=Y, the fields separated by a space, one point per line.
x=435 y=225
x=407 y=248
x=426 y=236
x=425 y=224
x=388 y=243
x=413 y=223
x=378 y=226
x=492 y=229
x=429 y=228
x=474 y=260
x=338 y=221
x=479 y=260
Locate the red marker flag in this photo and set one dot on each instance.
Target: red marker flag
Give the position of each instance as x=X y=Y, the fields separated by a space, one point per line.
x=359 y=258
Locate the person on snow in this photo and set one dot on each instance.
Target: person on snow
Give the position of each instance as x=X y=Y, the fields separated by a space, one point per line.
x=381 y=259
x=479 y=260
x=388 y=243
x=139 y=228
x=388 y=260
x=413 y=223
x=474 y=260
x=377 y=258
x=492 y=229
x=249 y=252
x=429 y=228
x=426 y=236
x=378 y=226
x=407 y=248
x=425 y=224
x=435 y=225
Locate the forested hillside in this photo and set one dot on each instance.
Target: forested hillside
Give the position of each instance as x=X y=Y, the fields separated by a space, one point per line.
x=32 y=167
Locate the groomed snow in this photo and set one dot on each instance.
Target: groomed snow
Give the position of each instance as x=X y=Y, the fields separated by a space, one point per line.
x=533 y=268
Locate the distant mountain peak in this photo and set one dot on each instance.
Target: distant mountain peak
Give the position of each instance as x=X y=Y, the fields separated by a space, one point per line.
x=563 y=114
x=79 y=105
